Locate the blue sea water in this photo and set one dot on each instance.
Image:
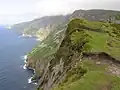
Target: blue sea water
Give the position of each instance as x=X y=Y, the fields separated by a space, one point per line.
x=12 y=48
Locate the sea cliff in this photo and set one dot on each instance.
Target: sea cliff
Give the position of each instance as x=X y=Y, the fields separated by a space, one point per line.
x=75 y=52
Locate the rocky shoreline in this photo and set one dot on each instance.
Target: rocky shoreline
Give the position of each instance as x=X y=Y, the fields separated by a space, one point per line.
x=32 y=79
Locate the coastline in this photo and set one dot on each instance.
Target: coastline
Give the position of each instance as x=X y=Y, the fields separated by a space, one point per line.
x=25 y=67
x=29 y=36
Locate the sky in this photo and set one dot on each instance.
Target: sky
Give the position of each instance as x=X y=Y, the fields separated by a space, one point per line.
x=16 y=11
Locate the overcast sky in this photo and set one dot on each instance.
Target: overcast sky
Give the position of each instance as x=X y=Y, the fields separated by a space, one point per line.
x=15 y=11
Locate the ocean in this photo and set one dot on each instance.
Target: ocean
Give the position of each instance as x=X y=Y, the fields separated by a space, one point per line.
x=13 y=48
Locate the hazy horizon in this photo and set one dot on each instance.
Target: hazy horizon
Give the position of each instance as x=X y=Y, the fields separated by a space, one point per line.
x=16 y=11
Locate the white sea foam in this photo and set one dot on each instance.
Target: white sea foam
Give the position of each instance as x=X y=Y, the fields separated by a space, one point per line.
x=25 y=67
x=21 y=36
x=25 y=35
x=34 y=70
x=25 y=57
x=30 y=80
x=35 y=83
x=25 y=61
x=38 y=39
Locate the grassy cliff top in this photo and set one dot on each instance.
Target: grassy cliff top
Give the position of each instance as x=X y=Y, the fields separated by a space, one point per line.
x=58 y=59
x=103 y=37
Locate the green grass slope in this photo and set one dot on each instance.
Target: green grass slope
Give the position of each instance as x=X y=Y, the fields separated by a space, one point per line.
x=96 y=78
x=59 y=57
x=104 y=37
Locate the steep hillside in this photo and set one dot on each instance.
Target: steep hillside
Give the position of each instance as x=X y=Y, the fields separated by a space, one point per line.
x=49 y=22
x=98 y=15
x=45 y=22
x=83 y=55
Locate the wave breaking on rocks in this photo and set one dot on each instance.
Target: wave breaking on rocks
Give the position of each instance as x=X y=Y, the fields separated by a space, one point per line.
x=25 y=67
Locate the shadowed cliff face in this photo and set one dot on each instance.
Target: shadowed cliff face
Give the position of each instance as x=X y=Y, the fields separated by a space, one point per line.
x=53 y=68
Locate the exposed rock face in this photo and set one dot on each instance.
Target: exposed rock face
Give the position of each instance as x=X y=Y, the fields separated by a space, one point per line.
x=60 y=54
x=104 y=58
x=52 y=69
